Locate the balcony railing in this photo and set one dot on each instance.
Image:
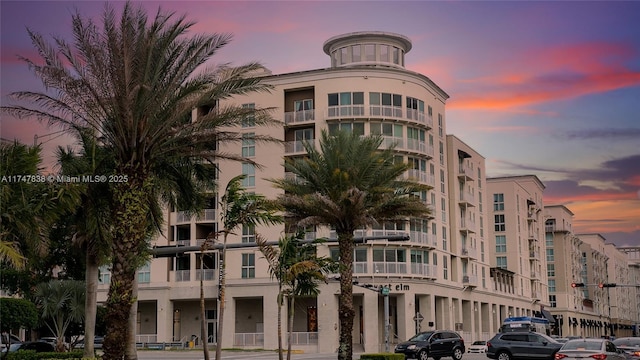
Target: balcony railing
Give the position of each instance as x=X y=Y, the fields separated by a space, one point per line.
x=183 y=275
x=182 y=217
x=466 y=170
x=208 y=215
x=423 y=238
x=415 y=114
x=385 y=111
x=416 y=145
x=248 y=339
x=345 y=110
x=390 y=267
x=467 y=197
x=295 y=146
x=417 y=175
x=471 y=280
x=183 y=242
x=299 y=116
x=209 y=274
x=427 y=270
x=469 y=252
x=387 y=141
x=360 y=268
x=303 y=338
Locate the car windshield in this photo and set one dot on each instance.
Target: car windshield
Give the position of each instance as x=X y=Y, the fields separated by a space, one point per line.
x=582 y=345
x=421 y=337
x=479 y=342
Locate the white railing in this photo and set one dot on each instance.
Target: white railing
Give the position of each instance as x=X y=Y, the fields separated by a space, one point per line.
x=183 y=275
x=470 y=252
x=385 y=110
x=415 y=114
x=345 y=110
x=303 y=338
x=296 y=146
x=423 y=238
x=431 y=180
x=182 y=217
x=208 y=215
x=299 y=116
x=470 y=280
x=418 y=175
x=417 y=145
x=248 y=339
x=209 y=274
x=183 y=242
x=464 y=169
x=390 y=267
x=467 y=197
x=426 y=270
x=360 y=267
x=149 y=338
x=388 y=232
x=387 y=141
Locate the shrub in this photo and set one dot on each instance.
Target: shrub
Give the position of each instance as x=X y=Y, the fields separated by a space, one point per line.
x=32 y=355
x=382 y=356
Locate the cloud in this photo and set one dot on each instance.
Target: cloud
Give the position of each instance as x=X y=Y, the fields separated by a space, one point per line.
x=548 y=74
x=603 y=133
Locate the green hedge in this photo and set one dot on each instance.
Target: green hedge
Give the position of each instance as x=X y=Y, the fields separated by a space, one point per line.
x=32 y=355
x=382 y=356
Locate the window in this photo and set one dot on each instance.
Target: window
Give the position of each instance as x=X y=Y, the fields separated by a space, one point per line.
x=552 y=285
x=303 y=110
x=415 y=109
x=370 y=52
x=384 y=53
x=396 y=55
x=419 y=257
x=551 y=270
x=351 y=127
x=443 y=206
x=355 y=53
x=484 y=280
x=388 y=255
x=248 y=233
x=552 y=301
x=550 y=255
x=248 y=145
x=144 y=274
x=249 y=120
x=501 y=243
x=385 y=104
x=386 y=129
x=445 y=267
x=499 y=224
x=498 y=202
x=440 y=125
x=444 y=238
x=501 y=262
x=441 y=152
x=250 y=171
x=343 y=56
x=443 y=187
x=248 y=266
x=346 y=104
x=104 y=275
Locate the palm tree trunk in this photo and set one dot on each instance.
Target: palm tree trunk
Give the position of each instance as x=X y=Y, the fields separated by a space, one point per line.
x=131 y=353
x=90 y=305
x=222 y=277
x=130 y=219
x=290 y=325
x=203 y=323
x=280 y=296
x=346 y=313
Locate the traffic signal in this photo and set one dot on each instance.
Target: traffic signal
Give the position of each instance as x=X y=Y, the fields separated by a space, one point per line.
x=577 y=285
x=606 y=285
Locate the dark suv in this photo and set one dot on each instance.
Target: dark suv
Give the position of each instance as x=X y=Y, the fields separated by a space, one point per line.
x=522 y=345
x=434 y=344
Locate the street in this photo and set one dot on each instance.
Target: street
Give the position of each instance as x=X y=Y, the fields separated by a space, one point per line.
x=262 y=355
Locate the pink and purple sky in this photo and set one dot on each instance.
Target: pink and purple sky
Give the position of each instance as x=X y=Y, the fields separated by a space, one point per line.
x=541 y=87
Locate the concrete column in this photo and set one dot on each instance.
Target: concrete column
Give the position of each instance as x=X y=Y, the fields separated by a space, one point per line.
x=270 y=319
x=328 y=321
x=229 y=326
x=428 y=310
x=373 y=322
x=164 y=318
x=406 y=312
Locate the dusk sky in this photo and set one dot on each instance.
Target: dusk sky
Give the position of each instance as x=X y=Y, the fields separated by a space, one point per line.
x=544 y=88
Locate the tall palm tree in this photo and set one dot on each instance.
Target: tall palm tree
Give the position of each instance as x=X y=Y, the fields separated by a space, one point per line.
x=91 y=229
x=239 y=207
x=134 y=81
x=348 y=184
x=298 y=270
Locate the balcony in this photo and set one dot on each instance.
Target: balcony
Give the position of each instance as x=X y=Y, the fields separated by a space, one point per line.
x=388 y=141
x=345 y=111
x=390 y=267
x=426 y=270
x=466 y=199
x=205 y=274
x=385 y=111
x=423 y=238
x=469 y=253
x=469 y=280
x=296 y=147
x=416 y=145
x=207 y=215
x=417 y=175
x=360 y=268
x=465 y=172
x=467 y=225
x=534 y=255
x=421 y=117
x=182 y=275
x=293 y=117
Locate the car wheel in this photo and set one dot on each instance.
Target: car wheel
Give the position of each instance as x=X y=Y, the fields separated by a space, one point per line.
x=423 y=355
x=503 y=355
x=457 y=354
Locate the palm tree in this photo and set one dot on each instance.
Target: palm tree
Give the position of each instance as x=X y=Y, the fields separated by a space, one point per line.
x=61 y=302
x=134 y=82
x=91 y=229
x=349 y=184
x=298 y=270
x=239 y=207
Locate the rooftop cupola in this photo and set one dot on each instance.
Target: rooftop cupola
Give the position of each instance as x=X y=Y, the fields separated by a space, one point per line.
x=367 y=48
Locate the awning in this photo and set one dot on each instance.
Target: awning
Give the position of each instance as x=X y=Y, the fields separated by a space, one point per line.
x=548 y=316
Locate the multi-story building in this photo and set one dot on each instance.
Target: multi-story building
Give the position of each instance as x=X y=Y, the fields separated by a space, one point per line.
x=447 y=276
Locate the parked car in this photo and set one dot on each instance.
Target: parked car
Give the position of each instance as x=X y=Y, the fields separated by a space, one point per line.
x=97 y=342
x=53 y=341
x=591 y=348
x=522 y=345
x=37 y=346
x=630 y=345
x=433 y=344
x=478 y=347
x=6 y=340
